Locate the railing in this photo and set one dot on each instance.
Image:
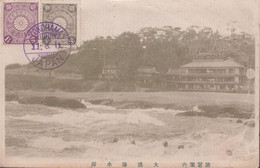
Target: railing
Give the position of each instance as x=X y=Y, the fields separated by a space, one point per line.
x=207 y=89
x=210 y=74
x=212 y=82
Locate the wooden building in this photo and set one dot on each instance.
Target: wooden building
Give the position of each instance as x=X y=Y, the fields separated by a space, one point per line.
x=210 y=75
x=146 y=74
x=110 y=71
x=173 y=77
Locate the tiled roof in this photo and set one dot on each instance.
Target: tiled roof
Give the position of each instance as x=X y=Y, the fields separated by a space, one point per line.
x=212 y=63
x=173 y=71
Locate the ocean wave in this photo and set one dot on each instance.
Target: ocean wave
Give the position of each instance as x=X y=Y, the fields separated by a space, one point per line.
x=12 y=102
x=158 y=111
x=93 y=106
x=91 y=117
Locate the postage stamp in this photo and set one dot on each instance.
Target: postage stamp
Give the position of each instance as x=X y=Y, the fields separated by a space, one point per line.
x=64 y=15
x=18 y=18
x=47 y=45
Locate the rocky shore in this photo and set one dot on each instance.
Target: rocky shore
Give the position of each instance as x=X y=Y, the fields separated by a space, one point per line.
x=241 y=111
x=48 y=101
x=229 y=111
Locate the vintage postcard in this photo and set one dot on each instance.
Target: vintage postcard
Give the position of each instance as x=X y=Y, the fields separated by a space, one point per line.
x=129 y=83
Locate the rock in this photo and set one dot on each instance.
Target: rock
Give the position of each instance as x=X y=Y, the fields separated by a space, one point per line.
x=11 y=97
x=250 y=123
x=101 y=101
x=66 y=103
x=135 y=105
x=52 y=101
x=115 y=140
x=239 y=121
x=30 y=100
x=229 y=152
x=133 y=142
x=181 y=147
x=165 y=144
x=197 y=136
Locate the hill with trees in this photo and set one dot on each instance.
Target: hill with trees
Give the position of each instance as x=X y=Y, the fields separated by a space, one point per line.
x=160 y=47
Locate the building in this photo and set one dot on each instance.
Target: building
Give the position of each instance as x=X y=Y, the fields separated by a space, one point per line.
x=110 y=71
x=146 y=74
x=210 y=75
x=173 y=77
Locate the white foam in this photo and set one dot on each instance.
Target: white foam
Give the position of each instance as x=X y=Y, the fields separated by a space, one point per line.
x=12 y=102
x=93 y=106
x=82 y=119
x=159 y=111
x=212 y=142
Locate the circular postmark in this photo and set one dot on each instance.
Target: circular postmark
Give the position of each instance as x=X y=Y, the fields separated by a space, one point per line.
x=47 y=45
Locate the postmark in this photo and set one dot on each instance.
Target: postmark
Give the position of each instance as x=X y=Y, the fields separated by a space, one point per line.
x=64 y=15
x=47 y=45
x=18 y=18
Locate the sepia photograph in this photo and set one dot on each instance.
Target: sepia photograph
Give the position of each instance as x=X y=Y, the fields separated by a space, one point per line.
x=130 y=83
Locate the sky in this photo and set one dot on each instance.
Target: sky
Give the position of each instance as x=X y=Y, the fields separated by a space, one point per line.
x=116 y=16
x=112 y=17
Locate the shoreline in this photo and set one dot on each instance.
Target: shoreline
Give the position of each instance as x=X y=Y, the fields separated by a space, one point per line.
x=193 y=98
x=219 y=106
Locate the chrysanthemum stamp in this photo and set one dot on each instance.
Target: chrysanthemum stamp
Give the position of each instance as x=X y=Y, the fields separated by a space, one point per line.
x=64 y=15
x=18 y=17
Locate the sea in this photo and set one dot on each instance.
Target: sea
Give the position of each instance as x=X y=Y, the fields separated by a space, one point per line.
x=106 y=133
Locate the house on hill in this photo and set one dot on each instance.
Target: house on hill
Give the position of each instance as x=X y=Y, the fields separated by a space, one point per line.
x=147 y=74
x=110 y=71
x=211 y=75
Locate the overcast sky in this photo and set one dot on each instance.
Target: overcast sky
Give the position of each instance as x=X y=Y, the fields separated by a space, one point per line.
x=112 y=17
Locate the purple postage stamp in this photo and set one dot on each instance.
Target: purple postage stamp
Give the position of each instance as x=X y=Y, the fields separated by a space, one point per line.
x=18 y=18
x=64 y=15
x=47 y=45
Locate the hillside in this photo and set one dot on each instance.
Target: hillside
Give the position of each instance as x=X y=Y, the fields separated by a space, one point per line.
x=162 y=48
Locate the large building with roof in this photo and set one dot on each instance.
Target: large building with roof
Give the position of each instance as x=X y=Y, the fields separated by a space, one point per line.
x=209 y=75
x=147 y=74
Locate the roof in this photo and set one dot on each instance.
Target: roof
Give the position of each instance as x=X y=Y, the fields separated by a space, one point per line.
x=173 y=71
x=147 y=69
x=210 y=63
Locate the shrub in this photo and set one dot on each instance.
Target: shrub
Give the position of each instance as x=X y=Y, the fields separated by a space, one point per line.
x=13 y=66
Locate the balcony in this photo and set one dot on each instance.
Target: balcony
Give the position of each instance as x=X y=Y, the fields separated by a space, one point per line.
x=207 y=90
x=209 y=74
x=202 y=82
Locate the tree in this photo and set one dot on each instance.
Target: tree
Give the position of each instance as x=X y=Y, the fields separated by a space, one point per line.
x=160 y=47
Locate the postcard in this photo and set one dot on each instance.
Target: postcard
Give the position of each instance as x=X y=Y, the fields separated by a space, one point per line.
x=129 y=83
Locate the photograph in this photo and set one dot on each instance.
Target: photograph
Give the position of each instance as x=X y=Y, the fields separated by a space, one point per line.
x=130 y=83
